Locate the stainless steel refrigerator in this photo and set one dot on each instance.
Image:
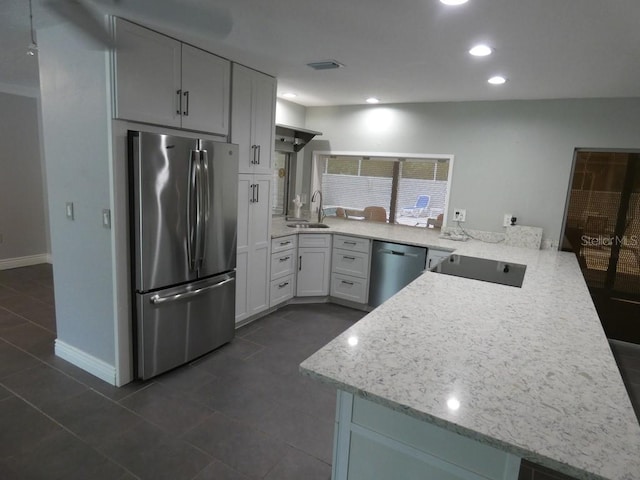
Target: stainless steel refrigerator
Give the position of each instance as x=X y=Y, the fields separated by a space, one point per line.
x=183 y=195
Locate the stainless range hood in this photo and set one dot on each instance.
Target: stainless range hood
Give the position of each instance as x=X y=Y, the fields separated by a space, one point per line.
x=292 y=139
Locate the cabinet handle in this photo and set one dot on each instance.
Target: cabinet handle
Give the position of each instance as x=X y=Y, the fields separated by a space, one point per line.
x=283 y=284
x=259 y=150
x=255 y=152
x=285 y=243
x=179 y=110
x=252 y=199
x=186 y=111
x=348 y=258
x=430 y=263
x=346 y=282
x=300 y=264
x=284 y=259
x=257 y=193
x=349 y=243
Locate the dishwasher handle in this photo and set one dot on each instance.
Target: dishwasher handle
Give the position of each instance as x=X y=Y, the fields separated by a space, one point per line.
x=397 y=252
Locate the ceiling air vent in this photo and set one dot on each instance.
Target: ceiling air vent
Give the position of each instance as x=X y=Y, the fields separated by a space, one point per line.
x=325 y=65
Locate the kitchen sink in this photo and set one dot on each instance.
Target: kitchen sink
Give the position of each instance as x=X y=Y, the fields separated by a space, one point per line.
x=307 y=225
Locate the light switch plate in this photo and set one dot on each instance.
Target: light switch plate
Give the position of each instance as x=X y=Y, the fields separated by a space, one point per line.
x=69 y=210
x=106 y=218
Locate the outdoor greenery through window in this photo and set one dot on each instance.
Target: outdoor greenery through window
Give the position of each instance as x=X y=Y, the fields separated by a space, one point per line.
x=409 y=191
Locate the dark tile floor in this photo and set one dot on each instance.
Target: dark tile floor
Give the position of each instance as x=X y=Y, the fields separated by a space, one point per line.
x=242 y=412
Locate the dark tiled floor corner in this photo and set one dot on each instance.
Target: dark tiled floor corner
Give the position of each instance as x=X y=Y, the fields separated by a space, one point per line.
x=243 y=412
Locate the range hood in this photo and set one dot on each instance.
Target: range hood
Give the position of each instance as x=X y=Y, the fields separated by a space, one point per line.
x=292 y=139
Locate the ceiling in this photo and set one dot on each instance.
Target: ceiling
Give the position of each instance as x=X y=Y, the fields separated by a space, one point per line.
x=401 y=50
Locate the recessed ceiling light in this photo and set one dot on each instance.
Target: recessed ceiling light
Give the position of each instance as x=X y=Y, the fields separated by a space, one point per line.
x=453 y=2
x=372 y=100
x=497 y=80
x=289 y=95
x=481 y=50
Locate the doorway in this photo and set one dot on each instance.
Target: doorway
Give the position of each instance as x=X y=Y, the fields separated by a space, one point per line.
x=602 y=228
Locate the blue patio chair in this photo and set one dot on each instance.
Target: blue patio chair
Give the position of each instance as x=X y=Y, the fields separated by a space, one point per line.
x=421 y=205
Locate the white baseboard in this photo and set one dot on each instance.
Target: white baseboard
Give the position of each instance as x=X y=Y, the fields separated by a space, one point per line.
x=87 y=362
x=8 y=263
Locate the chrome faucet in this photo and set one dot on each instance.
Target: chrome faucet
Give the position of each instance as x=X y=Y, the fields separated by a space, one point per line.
x=313 y=199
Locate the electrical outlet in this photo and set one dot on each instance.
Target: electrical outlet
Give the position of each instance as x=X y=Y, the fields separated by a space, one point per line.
x=459 y=215
x=507 y=220
x=69 y=210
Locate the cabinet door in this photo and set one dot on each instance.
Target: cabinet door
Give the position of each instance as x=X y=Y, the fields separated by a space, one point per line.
x=205 y=91
x=313 y=272
x=241 y=116
x=260 y=245
x=242 y=257
x=147 y=75
x=263 y=121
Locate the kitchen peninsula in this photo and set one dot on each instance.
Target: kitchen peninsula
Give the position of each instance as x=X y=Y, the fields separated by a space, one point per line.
x=527 y=372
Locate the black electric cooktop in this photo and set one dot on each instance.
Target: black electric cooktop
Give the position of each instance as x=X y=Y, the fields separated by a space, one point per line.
x=494 y=271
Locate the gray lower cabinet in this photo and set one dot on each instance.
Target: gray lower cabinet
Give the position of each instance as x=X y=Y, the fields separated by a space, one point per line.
x=314 y=265
x=435 y=256
x=373 y=442
x=350 y=268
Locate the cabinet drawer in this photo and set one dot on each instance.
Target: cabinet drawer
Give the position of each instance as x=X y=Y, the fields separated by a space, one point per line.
x=283 y=263
x=315 y=240
x=350 y=263
x=349 y=288
x=283 y=243
x=354 y=244
x=282 y=289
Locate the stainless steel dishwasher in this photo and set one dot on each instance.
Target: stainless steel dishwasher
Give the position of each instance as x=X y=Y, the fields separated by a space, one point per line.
x=393 y=266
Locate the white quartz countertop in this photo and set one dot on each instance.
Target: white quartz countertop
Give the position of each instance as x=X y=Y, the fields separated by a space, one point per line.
x=530 y=367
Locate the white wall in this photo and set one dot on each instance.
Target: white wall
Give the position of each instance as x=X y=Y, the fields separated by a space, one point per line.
x=510 y=156
x=77 y=139
x=289 y=113
x=23 y=221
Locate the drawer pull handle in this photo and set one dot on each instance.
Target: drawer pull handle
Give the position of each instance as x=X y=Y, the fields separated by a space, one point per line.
x=284 y=259
x=285 y=243
x=349 y=243
x=348 y=258
x=346 y=282
x=283 y=284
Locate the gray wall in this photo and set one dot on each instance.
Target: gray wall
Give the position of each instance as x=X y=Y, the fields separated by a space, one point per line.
x=510 y=156
x=77 y=140
x=23 y=223
x=289 y=113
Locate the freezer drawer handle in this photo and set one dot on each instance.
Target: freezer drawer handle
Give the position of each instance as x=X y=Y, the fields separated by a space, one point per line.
x=395 y=252
x=157 y=299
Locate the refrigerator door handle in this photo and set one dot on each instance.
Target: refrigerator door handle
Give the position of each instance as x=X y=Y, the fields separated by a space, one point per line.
x=158 y=300
x=192 y=204
x=199 y=210
x=205 y=186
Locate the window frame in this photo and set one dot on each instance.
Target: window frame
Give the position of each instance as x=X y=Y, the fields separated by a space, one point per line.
x=318 y=167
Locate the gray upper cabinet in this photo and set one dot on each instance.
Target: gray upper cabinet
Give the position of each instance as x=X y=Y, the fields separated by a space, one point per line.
x=253 y=119
x=162 y=81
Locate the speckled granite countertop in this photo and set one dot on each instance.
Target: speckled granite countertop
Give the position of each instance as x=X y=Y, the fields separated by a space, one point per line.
x=530 y=367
